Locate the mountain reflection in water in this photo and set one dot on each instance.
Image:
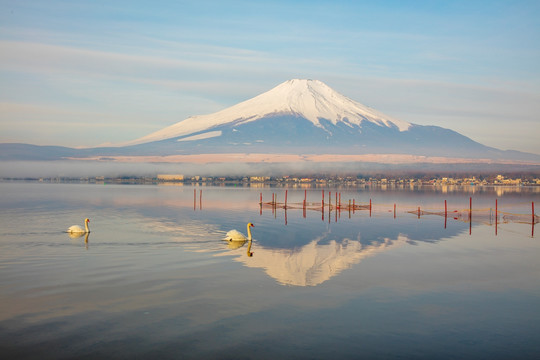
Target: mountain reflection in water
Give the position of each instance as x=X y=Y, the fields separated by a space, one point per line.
x=313 y=263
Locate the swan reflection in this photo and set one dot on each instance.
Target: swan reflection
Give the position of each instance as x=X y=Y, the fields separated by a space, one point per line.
x=233 y=245
x=77 y=235
x=74 y=236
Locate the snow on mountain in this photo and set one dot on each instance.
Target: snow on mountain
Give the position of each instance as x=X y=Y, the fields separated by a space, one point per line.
x=309 y=99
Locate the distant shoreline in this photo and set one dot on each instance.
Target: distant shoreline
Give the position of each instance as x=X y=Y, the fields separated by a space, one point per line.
x=387 y=182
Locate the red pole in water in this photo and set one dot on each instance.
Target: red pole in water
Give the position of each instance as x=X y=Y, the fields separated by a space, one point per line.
x=496 y=215
x=329 y=199
x=532 y=222
x=419 y=212
x=353 y=205
x=272 y=198
x=305 y=195
x=322 y=203
x=200 y=199
x=470 y=215
x=445 y=209
x=286 y=198
x=194 y=199
x=394 y=210
x=369 y=207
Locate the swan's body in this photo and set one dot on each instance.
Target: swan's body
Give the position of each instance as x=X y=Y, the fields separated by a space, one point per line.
x=235 y=235
x=76 y=229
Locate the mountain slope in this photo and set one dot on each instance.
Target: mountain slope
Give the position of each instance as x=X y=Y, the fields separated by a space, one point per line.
x=310 y=99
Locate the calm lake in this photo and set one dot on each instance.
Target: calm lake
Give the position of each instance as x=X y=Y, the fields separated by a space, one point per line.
x=155 y=278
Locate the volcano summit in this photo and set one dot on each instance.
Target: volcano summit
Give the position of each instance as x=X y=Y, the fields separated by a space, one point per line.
x=295 y=100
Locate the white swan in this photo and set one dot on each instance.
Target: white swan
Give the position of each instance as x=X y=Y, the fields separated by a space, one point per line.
x=76 y=229
x=235 y=235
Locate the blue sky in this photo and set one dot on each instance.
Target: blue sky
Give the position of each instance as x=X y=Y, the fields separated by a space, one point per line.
x=86 y=73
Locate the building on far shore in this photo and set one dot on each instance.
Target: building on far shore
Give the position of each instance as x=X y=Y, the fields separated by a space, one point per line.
x=170 y=177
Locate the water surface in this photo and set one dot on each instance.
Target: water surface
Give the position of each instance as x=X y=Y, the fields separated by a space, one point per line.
x=155 y=279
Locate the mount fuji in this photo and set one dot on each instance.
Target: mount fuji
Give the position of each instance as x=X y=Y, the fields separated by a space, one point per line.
x=298 y=117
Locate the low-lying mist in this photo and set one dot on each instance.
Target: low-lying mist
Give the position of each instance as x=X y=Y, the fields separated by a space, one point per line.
x=85 y=169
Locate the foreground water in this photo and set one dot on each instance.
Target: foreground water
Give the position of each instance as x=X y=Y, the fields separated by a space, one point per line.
x=155 y=279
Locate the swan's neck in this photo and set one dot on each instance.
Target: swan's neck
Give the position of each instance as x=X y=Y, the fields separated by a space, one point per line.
x=86 y=226
x=249 y=232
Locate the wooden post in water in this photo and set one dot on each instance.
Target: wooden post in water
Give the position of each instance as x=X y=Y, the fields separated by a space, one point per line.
x=369 y=207
x=329 y=202
x=394 y=210
x=419 y=212
x=286 y=198
x=496 y=215
x=445 y=222
x=322 y=205
x=349 y=208
x=260 y=201
x=194 y=199
x=470 y=215
x=532 y=222
x=339 y=205
x=200 y=199
x=445 y=210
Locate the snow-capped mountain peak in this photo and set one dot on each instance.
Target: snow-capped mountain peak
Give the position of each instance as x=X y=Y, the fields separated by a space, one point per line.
x=309 y=99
